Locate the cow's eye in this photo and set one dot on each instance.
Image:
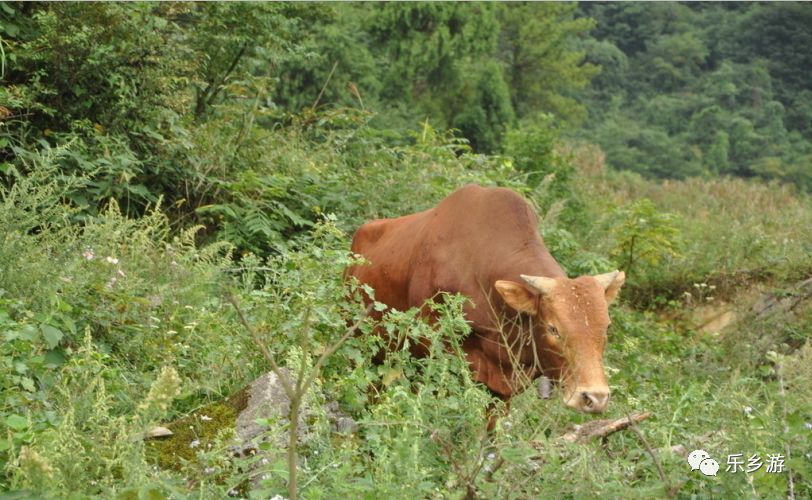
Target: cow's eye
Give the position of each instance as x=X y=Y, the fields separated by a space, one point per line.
x=553 y=331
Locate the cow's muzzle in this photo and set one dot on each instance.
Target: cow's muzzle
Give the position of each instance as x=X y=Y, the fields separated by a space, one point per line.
x=588 y=399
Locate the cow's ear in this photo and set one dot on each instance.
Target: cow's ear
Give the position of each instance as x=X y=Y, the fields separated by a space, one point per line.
x=611 y=283
x=517 y=296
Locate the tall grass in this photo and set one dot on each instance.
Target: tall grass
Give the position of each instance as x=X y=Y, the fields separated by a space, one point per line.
x=731 y=232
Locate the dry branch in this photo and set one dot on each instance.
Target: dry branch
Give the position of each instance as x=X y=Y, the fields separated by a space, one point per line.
x=601 y=428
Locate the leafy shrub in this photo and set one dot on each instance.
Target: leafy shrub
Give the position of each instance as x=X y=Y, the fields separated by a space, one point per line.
x=643 y=235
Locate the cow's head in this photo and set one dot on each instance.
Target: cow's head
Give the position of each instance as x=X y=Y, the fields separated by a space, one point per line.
x=570 y=318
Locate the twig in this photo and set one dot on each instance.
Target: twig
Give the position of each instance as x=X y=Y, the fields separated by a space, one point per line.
x=585 y=433
x=214 y=88
x=286 y=385
x=323 y=87
x=333 y=348
x=633 y=426
x=783 y=393
x=295 y=393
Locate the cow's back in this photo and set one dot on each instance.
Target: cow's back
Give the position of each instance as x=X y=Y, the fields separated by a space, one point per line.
x=471 y=238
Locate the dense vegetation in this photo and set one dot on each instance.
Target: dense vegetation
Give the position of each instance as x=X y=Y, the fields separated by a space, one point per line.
x=702 y=89
x=161 y=164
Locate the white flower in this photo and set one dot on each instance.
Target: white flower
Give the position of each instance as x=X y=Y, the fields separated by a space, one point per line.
x=88 y=254
x=112 y=260
x=209 y=470
x=205 y=418
x=194 y=444
x=748 y=410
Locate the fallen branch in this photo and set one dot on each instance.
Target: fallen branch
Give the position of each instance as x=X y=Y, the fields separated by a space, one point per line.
x=601 y=428
x=581 y=434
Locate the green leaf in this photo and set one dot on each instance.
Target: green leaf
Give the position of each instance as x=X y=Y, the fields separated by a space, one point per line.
x=28 y=332
x=16 y=422
x=54 y=359
x=52 y=335
x=28 y=384
x=391 y=375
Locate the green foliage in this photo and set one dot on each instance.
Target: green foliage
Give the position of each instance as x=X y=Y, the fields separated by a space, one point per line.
x=700 y=90
x=90 y=448
x=731 y=234
x=573 y=257
x=137 y=290
x=467 y=66
x=533 y=148
x=643 y=235
x=543 y=68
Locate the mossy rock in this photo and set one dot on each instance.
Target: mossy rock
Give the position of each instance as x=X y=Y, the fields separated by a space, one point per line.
x=197 y=431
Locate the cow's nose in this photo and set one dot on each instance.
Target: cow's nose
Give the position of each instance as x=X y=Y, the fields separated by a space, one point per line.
x=594 y=401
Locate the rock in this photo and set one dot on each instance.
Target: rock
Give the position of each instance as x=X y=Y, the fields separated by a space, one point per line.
x=158 y=432
x=345 y=425
x=677 y=449
x=267 y=400
x=783 y=301
x=341 y=422
x=713 y=318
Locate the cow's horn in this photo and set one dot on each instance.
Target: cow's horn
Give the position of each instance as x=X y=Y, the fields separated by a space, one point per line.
x=606 y=279
x=540 y=283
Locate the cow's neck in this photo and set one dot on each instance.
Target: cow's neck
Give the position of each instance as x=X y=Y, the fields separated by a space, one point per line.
x=504 y=336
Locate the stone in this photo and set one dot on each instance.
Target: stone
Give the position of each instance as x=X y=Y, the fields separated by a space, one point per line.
x=266 y=399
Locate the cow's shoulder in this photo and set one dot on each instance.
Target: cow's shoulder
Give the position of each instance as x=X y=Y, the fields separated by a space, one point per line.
x=368 y=234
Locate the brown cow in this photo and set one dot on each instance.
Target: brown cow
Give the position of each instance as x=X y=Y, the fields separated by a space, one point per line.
x=539 y=322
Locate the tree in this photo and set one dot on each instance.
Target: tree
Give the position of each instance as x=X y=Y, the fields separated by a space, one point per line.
x=543 y=69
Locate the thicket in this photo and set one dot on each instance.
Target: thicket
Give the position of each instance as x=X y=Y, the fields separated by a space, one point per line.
x=161 y=162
